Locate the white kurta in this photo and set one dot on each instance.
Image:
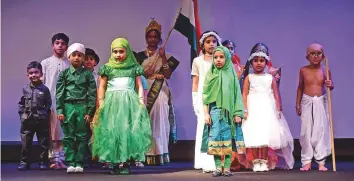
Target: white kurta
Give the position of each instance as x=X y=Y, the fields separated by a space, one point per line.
x=203 y=161
x=314 y=136
x=52 y=66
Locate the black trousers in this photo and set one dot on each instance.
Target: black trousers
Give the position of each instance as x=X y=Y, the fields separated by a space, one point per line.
x=28 y=128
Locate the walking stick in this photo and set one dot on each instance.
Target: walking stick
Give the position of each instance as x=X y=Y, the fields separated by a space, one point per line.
x=330 y=117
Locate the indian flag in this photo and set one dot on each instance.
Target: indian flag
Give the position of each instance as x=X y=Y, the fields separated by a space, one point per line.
x=188 y=24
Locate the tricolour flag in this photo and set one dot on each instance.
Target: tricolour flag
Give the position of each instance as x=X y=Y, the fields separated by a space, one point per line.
x=188 y=24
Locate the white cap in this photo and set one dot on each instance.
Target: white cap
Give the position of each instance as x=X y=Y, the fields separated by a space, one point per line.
x=75 y=47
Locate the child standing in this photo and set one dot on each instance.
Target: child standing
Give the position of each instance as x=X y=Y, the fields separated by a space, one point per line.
x=34 y=111
x=264 y=126
x=201 y=65
x=52 y=66
x=311 y=105
x=76 y=103
x=121 y=127
x=223 y=108
x=90 y=62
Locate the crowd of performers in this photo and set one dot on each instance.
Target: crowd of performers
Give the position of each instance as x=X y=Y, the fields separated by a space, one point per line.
x=123 y=114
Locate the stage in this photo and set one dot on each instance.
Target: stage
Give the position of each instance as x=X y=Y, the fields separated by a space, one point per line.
x=176 y=171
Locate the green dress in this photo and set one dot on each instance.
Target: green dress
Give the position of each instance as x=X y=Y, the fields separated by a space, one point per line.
x=123 y=131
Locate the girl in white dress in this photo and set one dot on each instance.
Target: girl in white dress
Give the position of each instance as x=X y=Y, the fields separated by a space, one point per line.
x=264 y=126
x=208 y=42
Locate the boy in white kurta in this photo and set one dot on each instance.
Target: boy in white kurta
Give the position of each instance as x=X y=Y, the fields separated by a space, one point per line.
x=311 y=105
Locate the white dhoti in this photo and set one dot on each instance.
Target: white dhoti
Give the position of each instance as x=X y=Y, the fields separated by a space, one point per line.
x=314 y=136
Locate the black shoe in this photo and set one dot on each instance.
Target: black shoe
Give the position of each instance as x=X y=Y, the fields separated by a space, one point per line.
x=23 y=166
x=43 y=166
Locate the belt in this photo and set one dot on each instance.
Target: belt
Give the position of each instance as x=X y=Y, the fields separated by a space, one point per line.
x=78 y=101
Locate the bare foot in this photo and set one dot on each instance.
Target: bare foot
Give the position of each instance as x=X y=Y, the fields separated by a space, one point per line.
x=322 y=168
x=307 y=167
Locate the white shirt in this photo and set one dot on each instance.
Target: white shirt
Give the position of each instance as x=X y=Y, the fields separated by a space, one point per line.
x=200 y=67
x=52 y=66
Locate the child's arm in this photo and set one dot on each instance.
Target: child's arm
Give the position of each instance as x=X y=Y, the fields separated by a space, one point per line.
x=239 y=108
x=276 y=96
x=102 y=90
x=91 y=96
x=60 y=92
x=21 y=104
x=246 y=85
x=140 y=89
x=329 y=83
x=47 y=99
x=300 y=91
x=207 y=115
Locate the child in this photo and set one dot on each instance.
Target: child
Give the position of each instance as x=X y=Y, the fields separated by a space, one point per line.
x=90 y=62
x=34 y=111
x=235 y=59
x=201 y=65
x=52 y=66
x=121 y=127
x=223 y=108
x=76 y=102
x=264 y=126
x=311 y=104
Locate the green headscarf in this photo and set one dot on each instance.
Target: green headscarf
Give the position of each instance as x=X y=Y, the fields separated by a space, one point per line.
x=222 y=86
x=129 y=61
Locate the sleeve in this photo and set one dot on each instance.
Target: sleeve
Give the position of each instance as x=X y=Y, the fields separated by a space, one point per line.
x=144 y=82
x=139 y=70
x=21 y=103
x=173 y=63
x=91 y=95
x=239 y=107
x=103 y=71
x=195 y=70
x=44 y=70
x=47 y=99
x=60 y=92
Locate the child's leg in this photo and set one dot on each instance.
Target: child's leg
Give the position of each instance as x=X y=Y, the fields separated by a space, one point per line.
x=27 y=133
x=80 y=134
x=42 y=131
x=68 y=126
x=218 y=165
x=264 y=153
x=264 y=159
x=255 y=152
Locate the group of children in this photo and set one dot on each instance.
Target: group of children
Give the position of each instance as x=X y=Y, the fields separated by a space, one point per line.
x=248 y=123
x=237 y=111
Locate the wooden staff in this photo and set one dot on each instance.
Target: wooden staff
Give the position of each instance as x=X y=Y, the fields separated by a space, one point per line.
x=330 y=117
x=173 y=27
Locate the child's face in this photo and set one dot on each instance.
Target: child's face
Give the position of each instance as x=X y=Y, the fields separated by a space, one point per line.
x=60 y=46
x=119 y=54
x=209 y=44
x=315 y=57
x=34 y=75
x=152 y=38
x=219 y=59
x=89 y=62
x=76 y=58
x=258 y=64
x=231 y=48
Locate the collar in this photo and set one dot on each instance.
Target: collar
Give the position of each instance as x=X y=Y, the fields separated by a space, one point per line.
x=78 y=70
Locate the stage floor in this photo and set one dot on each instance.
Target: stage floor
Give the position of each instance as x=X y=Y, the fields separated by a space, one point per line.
x=175 y=171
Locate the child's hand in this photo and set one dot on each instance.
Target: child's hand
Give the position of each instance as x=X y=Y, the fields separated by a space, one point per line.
x=329 y=83
x=207 y=119
x=141 y=101
x=298 y=110
x=60 y=117
x=245 y=115
x=237 y=119
x=87 y=118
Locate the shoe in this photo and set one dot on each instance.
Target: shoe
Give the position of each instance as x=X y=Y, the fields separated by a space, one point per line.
x=115 y=169
x=23 y=166
x=43 y=166
x=256 y=165
x=207 y=171
x=139 y=164
x=79 y=169
x=227 y=173
x=217 y=173
x=70 y=169
x=263 y=166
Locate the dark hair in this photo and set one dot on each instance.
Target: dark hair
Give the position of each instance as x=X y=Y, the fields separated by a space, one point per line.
x=60 y=36
x=255 y=48
x=90 y=52
x=226 y=42
x=157 y=32
x=202 y=45
x=34 y=64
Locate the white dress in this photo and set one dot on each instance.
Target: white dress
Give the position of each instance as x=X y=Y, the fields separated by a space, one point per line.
x=203 y=161
x=262 y=127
